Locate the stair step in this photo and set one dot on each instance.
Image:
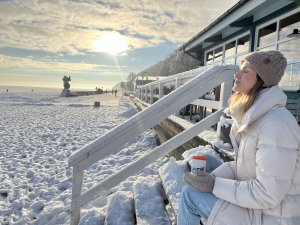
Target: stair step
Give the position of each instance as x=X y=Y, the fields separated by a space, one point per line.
x=149 y=203
x=120 y=209
x=171 y=175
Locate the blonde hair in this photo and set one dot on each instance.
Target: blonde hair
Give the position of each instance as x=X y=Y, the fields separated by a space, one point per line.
x=246 y=100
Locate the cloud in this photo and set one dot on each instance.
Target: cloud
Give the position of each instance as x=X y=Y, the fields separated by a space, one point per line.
x=29 y=63
x=73 y=26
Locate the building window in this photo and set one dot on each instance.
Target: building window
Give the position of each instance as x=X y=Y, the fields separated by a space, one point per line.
x=287 y=25
x=267 y=35
x=268 y=48
x=290 y=49
x=230 y=49
x=291 y=78
x=218 y=53
x=243 y=44
x=239 y=60
x=274 y=37
x=228 y=53
x=229 y=61
x=209 y=57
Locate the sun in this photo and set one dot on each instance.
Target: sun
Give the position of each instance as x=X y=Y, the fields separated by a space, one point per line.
x=111 y=42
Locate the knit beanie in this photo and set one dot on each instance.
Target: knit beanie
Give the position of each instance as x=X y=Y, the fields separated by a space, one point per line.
x=269 y=65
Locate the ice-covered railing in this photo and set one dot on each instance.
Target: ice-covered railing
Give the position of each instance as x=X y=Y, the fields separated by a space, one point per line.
x=112 y=141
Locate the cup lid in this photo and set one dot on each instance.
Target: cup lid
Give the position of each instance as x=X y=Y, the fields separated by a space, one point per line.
x=199 y=157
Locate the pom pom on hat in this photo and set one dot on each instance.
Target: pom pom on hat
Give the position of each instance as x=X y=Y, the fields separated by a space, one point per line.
x=269 y=65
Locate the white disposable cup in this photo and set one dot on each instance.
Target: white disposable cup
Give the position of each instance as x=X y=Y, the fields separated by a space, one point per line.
x=198 y=164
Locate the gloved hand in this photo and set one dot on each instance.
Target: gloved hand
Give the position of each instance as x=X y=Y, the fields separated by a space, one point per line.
x=204 y=182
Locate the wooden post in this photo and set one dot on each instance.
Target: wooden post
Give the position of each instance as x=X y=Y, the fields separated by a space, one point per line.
x=76 y=191
x=146 y=94
x=177 y=85
x=161 y=90
x=191 y=111
x=225 y=93
x=177 y=82
x=151 y=94
x=143 y=94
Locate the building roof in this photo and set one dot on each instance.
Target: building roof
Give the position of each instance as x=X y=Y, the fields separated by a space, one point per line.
x=243 y=14
x=228 y=12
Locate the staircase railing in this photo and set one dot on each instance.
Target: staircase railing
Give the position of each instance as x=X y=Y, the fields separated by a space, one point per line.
x=110 y=142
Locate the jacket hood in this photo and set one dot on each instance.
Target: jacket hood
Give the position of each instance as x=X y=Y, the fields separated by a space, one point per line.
x=268 y=98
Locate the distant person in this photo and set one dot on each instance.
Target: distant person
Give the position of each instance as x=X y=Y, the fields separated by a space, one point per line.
x=262 y=185
x=116 y=91
x=6 y=90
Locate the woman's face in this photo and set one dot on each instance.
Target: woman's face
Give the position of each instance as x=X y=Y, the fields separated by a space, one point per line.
x=245 y=79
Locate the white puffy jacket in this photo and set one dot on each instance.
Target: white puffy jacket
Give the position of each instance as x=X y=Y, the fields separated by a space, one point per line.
x=262 y=185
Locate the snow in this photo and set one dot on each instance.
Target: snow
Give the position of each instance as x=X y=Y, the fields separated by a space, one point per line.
x=149 y=202
x=39 y=131
x=209 y=135
x=172 y=176
x=226 y=121
x=120 y=208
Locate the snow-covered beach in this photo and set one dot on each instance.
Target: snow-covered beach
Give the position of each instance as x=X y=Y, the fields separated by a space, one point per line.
x=39 y=131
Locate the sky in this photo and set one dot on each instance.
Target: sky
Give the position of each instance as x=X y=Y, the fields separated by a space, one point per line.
x=96 y=42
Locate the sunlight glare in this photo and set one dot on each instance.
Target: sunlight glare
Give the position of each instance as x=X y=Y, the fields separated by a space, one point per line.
x=111 y=42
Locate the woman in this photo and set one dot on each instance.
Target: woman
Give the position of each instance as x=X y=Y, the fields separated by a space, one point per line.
x=262 y=185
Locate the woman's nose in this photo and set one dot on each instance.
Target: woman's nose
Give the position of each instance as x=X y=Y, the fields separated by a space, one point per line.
x=238 y=74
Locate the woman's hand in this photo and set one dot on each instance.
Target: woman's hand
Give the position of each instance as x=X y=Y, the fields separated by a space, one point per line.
x=204 y=182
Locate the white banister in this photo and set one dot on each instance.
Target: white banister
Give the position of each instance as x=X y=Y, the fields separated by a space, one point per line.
x=145 y=160
x=152 y=115
x=206 y=103
x=113 y=140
